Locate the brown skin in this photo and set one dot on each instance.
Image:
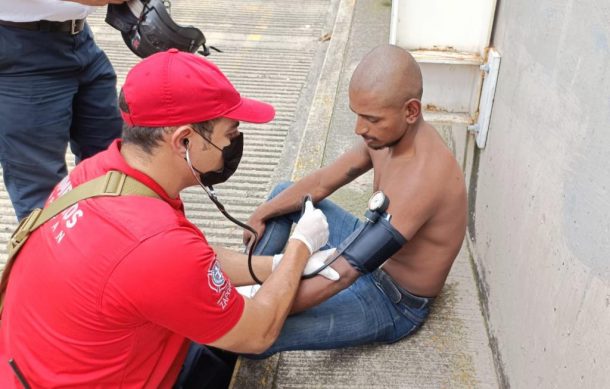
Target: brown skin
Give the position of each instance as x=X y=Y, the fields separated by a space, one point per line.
x=411 y=165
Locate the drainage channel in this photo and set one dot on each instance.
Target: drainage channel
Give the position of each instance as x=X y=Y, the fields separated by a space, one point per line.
x=270 y=49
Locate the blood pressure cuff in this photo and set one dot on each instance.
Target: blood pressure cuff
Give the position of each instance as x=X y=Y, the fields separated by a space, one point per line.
x=371 y=245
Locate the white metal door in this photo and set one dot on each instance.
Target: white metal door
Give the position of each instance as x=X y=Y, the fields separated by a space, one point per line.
x=450 y=40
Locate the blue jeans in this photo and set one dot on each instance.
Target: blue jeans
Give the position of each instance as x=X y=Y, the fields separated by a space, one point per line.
x=277 y=230
x=55 y=89
x=374 y=309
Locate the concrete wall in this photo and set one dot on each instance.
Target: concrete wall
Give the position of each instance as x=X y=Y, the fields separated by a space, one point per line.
x=540 y=195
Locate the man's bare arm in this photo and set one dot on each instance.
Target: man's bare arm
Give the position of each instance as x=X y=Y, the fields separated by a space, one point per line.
x=318 y=289
x=409 y=210
x=235 y=266
x=320 y=184
x=264 y=315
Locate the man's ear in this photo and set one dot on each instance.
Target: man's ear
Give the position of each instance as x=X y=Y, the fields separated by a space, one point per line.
x=180 y=138
x=412 y=110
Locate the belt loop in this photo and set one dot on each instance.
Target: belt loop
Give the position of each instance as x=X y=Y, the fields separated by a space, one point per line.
x=423 y=304
x=388 y=287
x=398 y=294
x=76 y=26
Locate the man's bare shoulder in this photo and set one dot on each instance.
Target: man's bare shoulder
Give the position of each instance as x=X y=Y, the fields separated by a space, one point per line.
x=424 y=186
x=436 y=160
x=444 y=174
x=431 y=164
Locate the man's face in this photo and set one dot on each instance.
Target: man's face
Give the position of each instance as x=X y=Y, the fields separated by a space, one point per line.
x=223 y=132
x=379 y=124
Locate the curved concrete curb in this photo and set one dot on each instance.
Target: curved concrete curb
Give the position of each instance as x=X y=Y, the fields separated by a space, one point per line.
x=313 y=142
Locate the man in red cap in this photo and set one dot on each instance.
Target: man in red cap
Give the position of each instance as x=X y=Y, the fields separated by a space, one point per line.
x=113 y=291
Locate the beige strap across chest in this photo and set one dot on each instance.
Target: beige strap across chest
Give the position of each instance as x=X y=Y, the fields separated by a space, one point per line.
x=112 y=184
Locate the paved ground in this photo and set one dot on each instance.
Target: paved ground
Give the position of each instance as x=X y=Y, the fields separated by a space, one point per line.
x=272 y=51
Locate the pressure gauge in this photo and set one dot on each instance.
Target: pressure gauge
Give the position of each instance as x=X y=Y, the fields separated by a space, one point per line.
x=378 y=202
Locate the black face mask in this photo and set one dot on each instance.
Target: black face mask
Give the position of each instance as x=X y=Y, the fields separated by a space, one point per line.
x=231 y=156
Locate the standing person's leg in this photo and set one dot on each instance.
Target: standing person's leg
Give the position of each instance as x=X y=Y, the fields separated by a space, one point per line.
x=96 y=119
x=277 y=231
x=37 y=86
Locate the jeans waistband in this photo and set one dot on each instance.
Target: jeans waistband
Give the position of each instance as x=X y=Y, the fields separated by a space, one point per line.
x=399 y=295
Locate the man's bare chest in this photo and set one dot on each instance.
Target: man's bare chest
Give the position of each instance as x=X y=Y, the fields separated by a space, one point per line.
x=389 y=175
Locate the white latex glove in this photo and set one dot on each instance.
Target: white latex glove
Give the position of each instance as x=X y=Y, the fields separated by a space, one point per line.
x=312 y=228
x=313 y=264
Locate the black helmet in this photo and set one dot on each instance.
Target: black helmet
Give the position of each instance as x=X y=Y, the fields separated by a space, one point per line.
x=147 y=28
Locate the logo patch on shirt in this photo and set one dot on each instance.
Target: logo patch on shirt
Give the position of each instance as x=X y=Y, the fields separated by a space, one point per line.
x=215 y=277
x=219 y=284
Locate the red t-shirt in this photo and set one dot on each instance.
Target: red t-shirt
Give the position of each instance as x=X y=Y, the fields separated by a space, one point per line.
x=110 y=292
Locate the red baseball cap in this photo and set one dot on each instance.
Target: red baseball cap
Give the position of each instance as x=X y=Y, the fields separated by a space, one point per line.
x=173 y=88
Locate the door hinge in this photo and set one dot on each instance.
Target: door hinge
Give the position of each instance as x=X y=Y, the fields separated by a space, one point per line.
x=490 y=71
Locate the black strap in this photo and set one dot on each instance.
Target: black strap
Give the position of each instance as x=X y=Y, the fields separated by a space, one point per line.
x=19 y=374
x=69 y=26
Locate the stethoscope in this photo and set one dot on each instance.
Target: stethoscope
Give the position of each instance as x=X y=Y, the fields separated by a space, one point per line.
x=377 y=205
x=209 y=190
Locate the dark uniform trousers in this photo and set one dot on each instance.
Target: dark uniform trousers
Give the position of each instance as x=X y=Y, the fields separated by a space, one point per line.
x=56 y=88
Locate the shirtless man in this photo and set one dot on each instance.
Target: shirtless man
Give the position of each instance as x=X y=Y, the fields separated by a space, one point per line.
x=427 y=202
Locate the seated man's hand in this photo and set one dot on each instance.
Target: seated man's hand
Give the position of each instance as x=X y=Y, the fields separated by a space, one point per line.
x=312 y=228
x=257 y=224
x=313 y=264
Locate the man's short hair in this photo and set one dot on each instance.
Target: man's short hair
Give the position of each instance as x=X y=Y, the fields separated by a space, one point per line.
x=148 y=138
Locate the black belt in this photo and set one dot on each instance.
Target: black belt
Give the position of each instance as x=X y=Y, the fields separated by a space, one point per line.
x=398 y=294
x=70 y=26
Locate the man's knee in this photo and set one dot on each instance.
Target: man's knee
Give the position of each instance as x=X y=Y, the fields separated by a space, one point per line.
x=280 y=187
